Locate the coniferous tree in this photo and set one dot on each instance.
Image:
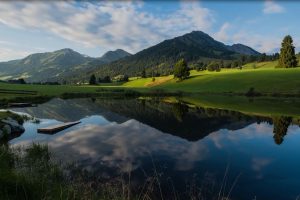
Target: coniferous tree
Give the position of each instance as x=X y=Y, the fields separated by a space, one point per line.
x=287 y=56
x=181 y=70
x=143 y=74
x=106 y=79
x=93 y=80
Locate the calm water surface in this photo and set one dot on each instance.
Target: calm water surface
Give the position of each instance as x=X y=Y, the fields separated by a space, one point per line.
x=187 y=146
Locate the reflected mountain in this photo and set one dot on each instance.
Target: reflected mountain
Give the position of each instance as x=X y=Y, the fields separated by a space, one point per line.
x=65 y=110
x=178 y=119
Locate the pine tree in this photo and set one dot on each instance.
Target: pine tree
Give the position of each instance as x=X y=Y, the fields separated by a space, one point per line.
x=181 y=70
x=93 y=80
x=287 y=56
x=143 y=74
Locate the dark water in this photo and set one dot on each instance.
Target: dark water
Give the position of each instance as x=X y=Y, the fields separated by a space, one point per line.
x=185 y=147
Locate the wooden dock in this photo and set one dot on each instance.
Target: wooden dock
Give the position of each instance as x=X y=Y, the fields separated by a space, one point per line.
x=20 y=105
x=56 y=128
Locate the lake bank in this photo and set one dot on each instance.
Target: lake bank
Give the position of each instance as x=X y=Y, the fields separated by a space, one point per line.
x=152 y=141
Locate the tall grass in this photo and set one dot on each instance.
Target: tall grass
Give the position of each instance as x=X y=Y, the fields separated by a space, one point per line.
x=31 y=173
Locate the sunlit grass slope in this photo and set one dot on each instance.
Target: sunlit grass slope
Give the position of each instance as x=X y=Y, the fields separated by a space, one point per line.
x=148 y=82
x=264 y=77
x=266 y=80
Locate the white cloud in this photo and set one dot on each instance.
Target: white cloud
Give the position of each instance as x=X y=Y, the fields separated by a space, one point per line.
x=109 y=25
x=124 y=145
x=271 y=7
x=222 y=34
x=261 y=43
x=10 y=54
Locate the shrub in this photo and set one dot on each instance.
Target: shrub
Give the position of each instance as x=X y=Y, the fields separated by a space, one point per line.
x=213 y=66
x=252 y=93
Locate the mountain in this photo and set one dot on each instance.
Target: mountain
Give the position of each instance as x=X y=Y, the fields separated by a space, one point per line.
x=66 y=64
x=194 y=46
x=243 y=49
x=111 y=56
x=54 y=66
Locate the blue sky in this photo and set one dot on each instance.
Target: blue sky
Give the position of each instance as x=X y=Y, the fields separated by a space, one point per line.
x=92 y=28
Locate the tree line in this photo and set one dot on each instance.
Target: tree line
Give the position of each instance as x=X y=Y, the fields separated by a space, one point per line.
x=106 y=79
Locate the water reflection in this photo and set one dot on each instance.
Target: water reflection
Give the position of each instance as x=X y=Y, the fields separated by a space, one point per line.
x=118 y=137
x=281 y=125
x=70 y=110
x=177 y=119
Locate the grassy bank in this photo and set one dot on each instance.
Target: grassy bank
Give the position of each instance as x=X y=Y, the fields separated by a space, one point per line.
x=31 y=173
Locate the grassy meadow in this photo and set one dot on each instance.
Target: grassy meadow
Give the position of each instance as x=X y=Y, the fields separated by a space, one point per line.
x=264 y=77
x=268 y=81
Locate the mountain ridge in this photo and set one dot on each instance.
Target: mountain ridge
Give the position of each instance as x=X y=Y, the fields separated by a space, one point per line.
x=53 y=66
x=194 y=46
x=67 y=64
x=243 y=49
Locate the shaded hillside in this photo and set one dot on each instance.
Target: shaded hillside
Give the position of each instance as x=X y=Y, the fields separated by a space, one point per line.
x=243 y=49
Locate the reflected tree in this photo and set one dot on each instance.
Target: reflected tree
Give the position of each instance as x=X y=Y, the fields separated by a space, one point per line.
x=179 y=110
x=143 y=104
x=281 y=125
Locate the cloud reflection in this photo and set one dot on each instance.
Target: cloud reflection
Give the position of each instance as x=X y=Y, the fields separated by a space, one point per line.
x=123 y=145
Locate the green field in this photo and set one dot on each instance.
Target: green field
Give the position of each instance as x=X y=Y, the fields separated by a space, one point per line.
x=265 y=78
x=50 y=90
x=284 y=81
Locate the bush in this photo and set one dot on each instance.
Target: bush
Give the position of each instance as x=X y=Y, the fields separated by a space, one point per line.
x=252 y=93
x=213 y=67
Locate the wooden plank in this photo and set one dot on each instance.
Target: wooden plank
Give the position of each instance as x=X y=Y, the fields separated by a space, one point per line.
x=19 y=105
x=56 y=128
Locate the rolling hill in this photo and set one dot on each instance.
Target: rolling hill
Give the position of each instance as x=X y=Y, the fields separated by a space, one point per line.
x=54 y=66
